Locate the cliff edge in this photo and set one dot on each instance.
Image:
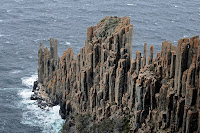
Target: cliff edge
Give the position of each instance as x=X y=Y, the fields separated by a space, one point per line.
x=105 y=90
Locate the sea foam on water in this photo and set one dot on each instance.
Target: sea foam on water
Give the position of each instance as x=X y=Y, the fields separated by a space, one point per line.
x=47 y=119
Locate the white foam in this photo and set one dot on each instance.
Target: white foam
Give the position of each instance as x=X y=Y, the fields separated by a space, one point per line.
x=36 y=40
x=8 y=11
x=47 y=119
x=25 y=93
x=30 y=57
x=129 y=4
x=68 y=43
x=28 y=81
x=19 y=0
x=15 y=71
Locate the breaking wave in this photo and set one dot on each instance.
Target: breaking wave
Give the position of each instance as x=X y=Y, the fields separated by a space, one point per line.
x=47 y=119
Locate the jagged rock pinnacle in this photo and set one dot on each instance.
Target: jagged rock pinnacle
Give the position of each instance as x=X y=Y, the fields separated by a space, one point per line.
x=105 y=82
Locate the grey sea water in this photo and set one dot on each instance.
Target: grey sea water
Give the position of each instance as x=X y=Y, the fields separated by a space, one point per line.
x=26 y=23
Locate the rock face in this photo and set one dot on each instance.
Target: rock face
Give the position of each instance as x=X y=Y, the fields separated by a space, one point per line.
x=159 y=94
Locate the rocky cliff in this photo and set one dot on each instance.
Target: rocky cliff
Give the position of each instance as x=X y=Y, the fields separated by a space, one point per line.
x=104 y=89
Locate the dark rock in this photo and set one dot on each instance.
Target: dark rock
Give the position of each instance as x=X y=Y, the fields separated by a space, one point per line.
x=35 y=85
x=34 y=97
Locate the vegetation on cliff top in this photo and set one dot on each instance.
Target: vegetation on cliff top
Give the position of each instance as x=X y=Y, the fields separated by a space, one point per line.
x=109 y=26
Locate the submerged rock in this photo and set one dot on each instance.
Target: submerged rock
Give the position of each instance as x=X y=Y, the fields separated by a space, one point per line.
x=41 y=96
x=35 y=86
x=34 y=97
x=160 y=94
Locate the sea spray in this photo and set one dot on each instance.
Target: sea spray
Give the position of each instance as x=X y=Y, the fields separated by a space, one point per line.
x=28 y=81
x=47 y=119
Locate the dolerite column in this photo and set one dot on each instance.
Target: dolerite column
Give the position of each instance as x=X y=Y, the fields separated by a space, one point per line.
x=192 y=49
x=138 y=101
x=197 y=85
x=198 y=75
x=51 y=63
x=150 y=59
x=96 y=59
x=132 y=82
x=122 y=38
x=192 y=118
x=138 y=61
x=92 y=98
x=143 y=58
x=179 y=114
x=90 y=33
x=46 y=64
x=51 y=47
x=191 y=91
x=199 y=121
x=129 y=38
x=106 y=86
x=84 y=85
x=116 y=43
x=181 y=63
x=89 y=68
x=173 y=62
x=119 y=83
x=55 y=54
x=145 y=55
x=40 y=64
x=139 y=94
x=78 y=74
x=112 y=73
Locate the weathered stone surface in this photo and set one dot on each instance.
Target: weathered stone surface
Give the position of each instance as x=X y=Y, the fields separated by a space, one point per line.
x=40 y=64
x=162 y=95
x=144 y=58
x=138 y=61
x=150 y=59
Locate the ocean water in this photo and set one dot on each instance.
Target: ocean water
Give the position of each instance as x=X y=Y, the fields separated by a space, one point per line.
x=26 y=23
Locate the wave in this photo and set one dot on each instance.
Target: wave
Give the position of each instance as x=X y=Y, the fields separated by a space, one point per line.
x=19 y=0
x=15 y=71
x=129 y=4
x=28 y=81
x=67 y=43
x=47 y=119
x=1 y=35
x=30 y=57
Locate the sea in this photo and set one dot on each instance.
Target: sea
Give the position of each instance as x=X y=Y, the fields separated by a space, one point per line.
x=26 y=23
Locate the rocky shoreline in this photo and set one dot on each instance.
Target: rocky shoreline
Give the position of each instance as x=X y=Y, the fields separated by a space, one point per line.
x=41 y=96
x=105 y=90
